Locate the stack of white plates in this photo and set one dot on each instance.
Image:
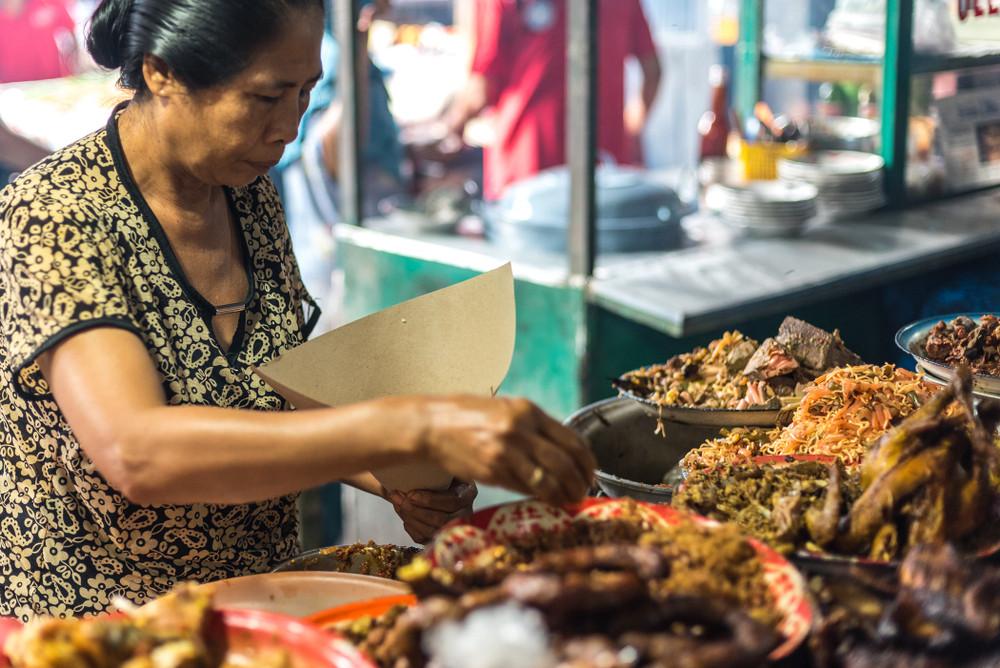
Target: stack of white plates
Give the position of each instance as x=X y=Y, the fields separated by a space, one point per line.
x=764 y=208
x=849 y=182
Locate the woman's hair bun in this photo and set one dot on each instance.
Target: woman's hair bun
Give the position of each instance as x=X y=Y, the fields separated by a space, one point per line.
x=203 y=42
x=107 y=38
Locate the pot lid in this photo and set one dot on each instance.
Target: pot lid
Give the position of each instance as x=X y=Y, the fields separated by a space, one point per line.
x=622 y=193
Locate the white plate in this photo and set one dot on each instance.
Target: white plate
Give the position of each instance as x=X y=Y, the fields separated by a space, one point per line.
x=767 y=192
x=834 y=163
x=770 y=225
x=766 y=231
x=301 y=593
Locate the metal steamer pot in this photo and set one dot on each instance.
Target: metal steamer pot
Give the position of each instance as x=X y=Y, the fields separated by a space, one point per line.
x=631 y=458
x=635 y=212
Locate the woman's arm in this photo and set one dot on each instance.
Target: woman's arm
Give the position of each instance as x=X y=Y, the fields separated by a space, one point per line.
x=110 y=394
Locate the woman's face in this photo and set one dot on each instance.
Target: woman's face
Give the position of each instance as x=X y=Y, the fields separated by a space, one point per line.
x=231 y=134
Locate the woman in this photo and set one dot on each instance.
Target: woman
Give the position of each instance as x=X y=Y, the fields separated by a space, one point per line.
x=144 y=271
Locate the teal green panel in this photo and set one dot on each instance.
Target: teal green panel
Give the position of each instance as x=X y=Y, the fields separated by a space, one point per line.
x=748 y=56
x=545 y=367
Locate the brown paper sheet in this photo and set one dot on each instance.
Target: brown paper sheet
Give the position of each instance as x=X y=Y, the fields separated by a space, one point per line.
x=457 y=340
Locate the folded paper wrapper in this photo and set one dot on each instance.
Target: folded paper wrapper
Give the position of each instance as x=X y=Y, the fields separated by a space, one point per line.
x=457 y=340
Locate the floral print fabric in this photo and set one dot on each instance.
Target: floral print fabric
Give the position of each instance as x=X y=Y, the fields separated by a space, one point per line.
x=79 y=248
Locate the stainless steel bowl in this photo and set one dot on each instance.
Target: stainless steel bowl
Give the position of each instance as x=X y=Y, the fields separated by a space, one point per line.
x=632 y=459
x=910 y=339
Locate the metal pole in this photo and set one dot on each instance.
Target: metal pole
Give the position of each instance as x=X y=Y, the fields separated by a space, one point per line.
x=345 y=23
x=896 y=81
x=748 y=57
x=581 y=133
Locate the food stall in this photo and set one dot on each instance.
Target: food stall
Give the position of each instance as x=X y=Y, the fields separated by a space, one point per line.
x=783 y=504
x=582 y=322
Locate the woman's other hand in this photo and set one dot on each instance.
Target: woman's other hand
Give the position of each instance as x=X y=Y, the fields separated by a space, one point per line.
x=505 y=442
x=425 y=511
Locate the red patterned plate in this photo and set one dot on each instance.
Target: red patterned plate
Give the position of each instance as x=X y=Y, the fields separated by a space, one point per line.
x=498 y=525
x=249 y=633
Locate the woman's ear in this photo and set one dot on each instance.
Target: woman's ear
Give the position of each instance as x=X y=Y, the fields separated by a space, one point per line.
x=160 y=80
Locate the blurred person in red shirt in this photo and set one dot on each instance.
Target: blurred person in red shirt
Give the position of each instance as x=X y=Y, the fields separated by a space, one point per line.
x=519 y=69
x=36 y=40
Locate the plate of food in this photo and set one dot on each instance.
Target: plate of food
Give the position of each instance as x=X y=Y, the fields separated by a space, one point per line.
x=736 y=380
x=180 y=628
x=618 y=572
x=930 y=479
x=942 y=343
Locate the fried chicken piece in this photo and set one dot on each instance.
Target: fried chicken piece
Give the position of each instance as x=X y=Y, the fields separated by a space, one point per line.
x=908 y=437
x=889 y=491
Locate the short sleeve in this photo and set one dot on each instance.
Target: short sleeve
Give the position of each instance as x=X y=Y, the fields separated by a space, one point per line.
x=642 y=41
x=58 y=276
x=489 y=59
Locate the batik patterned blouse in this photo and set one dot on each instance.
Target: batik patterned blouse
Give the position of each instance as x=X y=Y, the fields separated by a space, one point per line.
x=80 y=248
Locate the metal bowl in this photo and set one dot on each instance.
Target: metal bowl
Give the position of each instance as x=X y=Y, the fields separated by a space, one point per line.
x=910 y=339
x=635 y=212
x=328 y=559
x=632 y=459
x=701 y=416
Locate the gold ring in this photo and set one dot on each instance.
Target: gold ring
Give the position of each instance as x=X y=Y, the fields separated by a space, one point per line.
x=536 y=477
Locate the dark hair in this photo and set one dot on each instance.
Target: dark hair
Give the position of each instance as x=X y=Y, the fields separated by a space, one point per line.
x=204 y=42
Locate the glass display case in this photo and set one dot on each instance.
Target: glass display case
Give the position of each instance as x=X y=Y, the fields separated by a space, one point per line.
x=925 y=70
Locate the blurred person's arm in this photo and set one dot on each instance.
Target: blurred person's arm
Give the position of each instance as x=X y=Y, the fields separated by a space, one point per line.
x=468 y=104
x=16 y=152
x=329 y=125
x=644 y=51
x=488 y=73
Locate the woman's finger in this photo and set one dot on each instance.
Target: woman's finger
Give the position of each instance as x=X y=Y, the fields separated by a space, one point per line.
x=560 y=466
x=535 y=478
x=570 y=441
x=453 y=500
x=418 y=531
x=433 y=518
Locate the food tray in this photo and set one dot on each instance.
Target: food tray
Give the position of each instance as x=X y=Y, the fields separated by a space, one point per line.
x=910 y=340
x=465 y=538
x=713 y=417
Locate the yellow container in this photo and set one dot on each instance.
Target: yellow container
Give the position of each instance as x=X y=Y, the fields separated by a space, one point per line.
x=759 y=160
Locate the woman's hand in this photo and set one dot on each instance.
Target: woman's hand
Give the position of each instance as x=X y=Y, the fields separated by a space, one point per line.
x=505 y=442
x=424 y=511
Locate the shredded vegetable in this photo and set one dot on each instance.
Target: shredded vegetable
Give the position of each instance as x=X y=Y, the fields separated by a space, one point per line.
x=840 y=414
